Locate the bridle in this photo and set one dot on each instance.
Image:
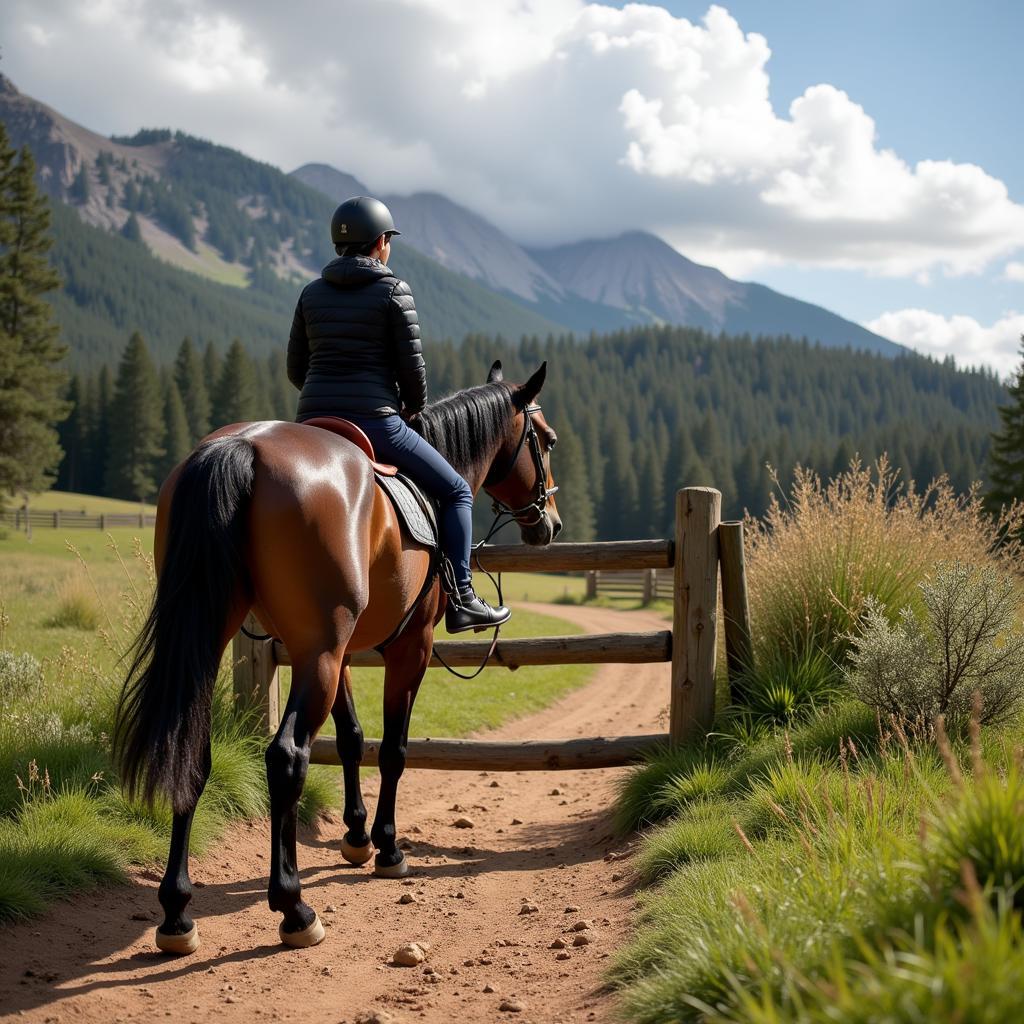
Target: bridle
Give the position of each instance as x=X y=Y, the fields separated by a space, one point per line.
x=538 y=506
x=505 y=514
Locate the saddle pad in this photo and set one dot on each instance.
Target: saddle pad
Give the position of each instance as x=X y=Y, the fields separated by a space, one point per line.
x=415 y=510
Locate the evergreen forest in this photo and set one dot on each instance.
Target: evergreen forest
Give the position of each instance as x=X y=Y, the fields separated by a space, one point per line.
x=639 y=414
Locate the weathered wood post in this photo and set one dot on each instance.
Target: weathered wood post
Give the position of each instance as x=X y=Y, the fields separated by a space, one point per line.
x=591 y=584
x=103 y=520
x=648 y=585
x=694 y=612
x=255 y=673
x=739 y=651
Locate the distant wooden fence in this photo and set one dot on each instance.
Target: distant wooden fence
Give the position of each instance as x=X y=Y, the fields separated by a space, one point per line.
x=71 y=519
x=644 y=586
x=693 y=555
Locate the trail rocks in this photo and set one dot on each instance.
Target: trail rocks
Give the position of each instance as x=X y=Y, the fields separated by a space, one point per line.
x=412 y=954
x=407 y=897
x=528 y=908
x=510 y=1006
x=583 y=939
x=464 y=822
x=557 y=944
x=582 y=926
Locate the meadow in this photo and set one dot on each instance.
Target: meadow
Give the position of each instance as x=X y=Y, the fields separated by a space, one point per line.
x=70 y=602
x=847 y=845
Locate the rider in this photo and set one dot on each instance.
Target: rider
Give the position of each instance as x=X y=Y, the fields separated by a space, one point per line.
x=354 y=352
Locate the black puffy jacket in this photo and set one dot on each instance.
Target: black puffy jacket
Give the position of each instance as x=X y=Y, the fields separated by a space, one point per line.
x=355 y=348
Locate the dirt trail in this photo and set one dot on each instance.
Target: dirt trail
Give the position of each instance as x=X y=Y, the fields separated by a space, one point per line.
x=93 y=959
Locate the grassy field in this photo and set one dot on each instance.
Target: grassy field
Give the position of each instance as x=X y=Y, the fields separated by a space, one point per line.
x=50 y=501
x=70 y=602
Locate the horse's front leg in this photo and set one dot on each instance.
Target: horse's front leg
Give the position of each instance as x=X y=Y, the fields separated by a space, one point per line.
x=405 y=662
x=355 y=844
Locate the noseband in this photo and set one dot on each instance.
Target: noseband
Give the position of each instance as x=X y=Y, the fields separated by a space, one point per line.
x=538 y=506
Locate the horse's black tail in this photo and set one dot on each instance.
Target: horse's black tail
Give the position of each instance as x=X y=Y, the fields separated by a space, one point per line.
x=162 y=728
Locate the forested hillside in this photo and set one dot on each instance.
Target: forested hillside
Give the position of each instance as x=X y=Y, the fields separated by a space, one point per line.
x=638 y=414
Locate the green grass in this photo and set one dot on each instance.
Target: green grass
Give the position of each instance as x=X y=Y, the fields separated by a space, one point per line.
x=64 y=824
x=805 y=877
x=92 y=504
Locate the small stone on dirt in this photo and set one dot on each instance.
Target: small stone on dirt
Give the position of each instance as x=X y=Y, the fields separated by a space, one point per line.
x=516 y=821
x=330 y=909
x=495 y=784
x=557 y=944
x=141 y=917
x=562 y=955
x=583 y=939
x=510 y=1006
x=406 y=897
x=468 y=963
x=328 y=971
x=411 y=954
x=463 y=822
x=571 y=909
x=375 y=1017
x=455 y=807
x=581 y=926
x=528 y=908
x=556 y=792
x=489 y=988
x=618 y=876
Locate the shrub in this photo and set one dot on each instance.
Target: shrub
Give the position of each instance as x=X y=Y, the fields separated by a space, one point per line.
x=76 y=607
x=21 y=678
x=963 y=643
x=815 y=561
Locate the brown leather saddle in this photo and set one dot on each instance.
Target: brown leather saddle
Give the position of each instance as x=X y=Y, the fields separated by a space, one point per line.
x=354 y=433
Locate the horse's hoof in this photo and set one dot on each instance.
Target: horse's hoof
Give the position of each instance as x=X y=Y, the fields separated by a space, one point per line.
x=399 y=870
x=307 y=937
x=181 y=944
x=356 y=854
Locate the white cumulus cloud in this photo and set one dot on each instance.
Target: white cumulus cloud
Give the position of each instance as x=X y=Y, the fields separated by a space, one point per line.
x=969 y=342
x=556 y=119
x=1014 y=271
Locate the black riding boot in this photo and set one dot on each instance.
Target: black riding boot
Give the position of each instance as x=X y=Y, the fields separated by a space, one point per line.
x=467 y=611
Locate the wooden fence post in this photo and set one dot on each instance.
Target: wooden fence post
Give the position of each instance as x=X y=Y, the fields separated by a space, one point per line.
x=694 y=612
x=649 y=586
x=739 y=651
x=591 y=584
x=255 y=673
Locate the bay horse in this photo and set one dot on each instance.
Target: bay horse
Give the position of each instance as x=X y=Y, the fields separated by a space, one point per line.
x=286 y=520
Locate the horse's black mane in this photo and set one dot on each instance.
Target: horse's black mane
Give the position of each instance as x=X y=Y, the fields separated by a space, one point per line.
x=466 y=427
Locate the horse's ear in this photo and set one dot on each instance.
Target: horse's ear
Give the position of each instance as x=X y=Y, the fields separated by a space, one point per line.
x=531 y=389
x=495 y=375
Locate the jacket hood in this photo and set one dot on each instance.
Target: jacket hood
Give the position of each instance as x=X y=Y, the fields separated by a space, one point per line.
x=354 y=271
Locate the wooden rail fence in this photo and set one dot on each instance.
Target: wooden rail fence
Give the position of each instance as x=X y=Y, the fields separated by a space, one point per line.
x=701 y=543
x=72 y=519
x=644 y=585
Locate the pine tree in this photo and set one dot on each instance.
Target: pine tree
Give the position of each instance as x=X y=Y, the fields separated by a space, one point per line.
x=136 y=442
x=1006 y=456
x=74 y=440
x=31 y=381
x=131 y=230
x=188 y=375
x=177 y=439
x=236 y=395
x=100 y=432
x=212 y=366
x=80 y=187
x=573 y=498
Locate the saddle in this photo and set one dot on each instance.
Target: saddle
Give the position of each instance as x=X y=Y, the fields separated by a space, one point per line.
x=416 y=511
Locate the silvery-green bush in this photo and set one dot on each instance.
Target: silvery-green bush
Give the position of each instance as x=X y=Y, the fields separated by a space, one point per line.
x=21 y=677
x=967 y=641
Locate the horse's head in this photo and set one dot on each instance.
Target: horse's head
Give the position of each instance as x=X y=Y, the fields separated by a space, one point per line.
x=519 y=479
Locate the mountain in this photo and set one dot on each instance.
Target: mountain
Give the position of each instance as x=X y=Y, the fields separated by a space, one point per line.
x=252 y=232
x=249 y=228
x=640 y=274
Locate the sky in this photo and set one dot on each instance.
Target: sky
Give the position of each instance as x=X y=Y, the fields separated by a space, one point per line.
x=863 y=156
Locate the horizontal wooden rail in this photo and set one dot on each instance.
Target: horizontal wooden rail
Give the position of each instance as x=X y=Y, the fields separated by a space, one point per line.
x=618 y=554
x=589 y=649
x=494 y=756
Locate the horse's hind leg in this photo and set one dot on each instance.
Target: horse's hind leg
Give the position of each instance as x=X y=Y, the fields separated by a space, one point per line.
x=314 y=685
x=355 y=845
x=178 y=933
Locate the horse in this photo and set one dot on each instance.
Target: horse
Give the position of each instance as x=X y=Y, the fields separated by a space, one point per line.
x=286 y=520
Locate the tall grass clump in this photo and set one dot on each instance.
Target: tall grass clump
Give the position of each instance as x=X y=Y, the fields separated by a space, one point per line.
x=827 y=549
x=76 y=607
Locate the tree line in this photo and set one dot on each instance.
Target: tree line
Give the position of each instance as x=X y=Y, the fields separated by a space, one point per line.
x=639 y=414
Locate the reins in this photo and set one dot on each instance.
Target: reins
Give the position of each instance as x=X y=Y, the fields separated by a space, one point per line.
x=503 y=515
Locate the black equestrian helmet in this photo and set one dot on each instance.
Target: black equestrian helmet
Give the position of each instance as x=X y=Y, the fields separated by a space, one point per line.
x=360 y=220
